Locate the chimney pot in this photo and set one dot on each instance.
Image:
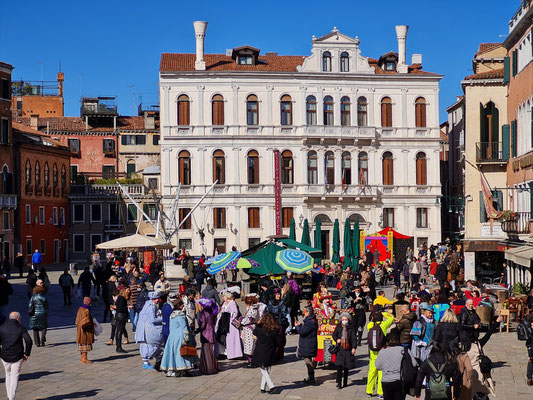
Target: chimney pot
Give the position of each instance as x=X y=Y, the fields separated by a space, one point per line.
x=34 y=121
x=401 y=34
x=199 y=30
x=416 y=59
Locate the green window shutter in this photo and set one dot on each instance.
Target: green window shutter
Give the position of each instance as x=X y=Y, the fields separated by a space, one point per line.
x=506 y=141
x=497 y=200
x=482 y=211
x=513 y=138
x=515 y=62
x=506 y=70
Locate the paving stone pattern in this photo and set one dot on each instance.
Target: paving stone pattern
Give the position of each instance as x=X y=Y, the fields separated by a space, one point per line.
x=54 y=372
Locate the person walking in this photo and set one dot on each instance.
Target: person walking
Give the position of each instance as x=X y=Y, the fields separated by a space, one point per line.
x=148 y=333
x=19 y=264
x=38 y=310
x=6 y=266
x=210 y=291
x=99 y=278
x=135 y=289
x=228 y=338
x=199 y=276
x=447 y=329
x=173 y=362
x=85 y=330
x=415 y=269
x=422 y=332
x=441 y=274
x=36 y=260
x=254 y=312
x=13 y=351
x=31 y=282
x=404 y=323
x=121 y=317
x=266 y=333
x=107 y=294
x=384 y=320
x=308 y=342
x=67 y=285
x=345 y=338
x=85 y=280
x=470 y=323
x=6 y=290
x=206 y=329
x=162 y=286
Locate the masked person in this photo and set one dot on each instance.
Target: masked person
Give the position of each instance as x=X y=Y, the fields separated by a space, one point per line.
x=149 y=330
x=346 y=339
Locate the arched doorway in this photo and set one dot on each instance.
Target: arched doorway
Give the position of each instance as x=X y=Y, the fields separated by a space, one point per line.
x=325 y=234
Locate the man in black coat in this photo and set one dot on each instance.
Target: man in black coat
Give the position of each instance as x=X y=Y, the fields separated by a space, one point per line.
x=470 y=324
x=441 y=274
x=308 y=342
x=85 y=280
x=13 y=352
x=5 y=291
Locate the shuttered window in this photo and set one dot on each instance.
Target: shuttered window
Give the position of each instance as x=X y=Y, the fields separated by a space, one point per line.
x=420 y=112
x=183 y=212
x=388 y=169
x=421 y=169
x=386 y=112
x=506 y=141
x=328 y=111
x=287 y=168
x=253 y=167
x=515 y=62
x=253 y=217
x=286 y=216
x=218 y=110
x=184 y=167
x=514 y=142
x=219 y=167
x=345 y=111
x=184 y=110
x=506 y=70
x=286 y=110
x=219 y=218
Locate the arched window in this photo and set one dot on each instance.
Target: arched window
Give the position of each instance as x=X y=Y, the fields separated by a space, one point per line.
x=326 y=61
x=184 y=167
x=55 y=176
x=37 y=174
x=252 y=110
x=362 y=106
x=253 y=167
x=28 y=172
x=310 y=108
x=330 y=168
x=346 y=166
x=286 y=110
x=490 y=132
x=421 y=169
x=362 y=162
x=345 y=111
x=217 y=110
x=386 y=112
x=63 y=177
x=287 y=168
x=312 y=168
x=184 y=110
x=131 y=168
x=219 y=167
x=345 y=62
x=388 y=168
x=46 y=175
x=7 y=181
x=328 y=110
x=420 y=112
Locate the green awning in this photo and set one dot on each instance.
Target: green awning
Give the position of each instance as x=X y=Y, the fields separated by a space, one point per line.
x=266 y=257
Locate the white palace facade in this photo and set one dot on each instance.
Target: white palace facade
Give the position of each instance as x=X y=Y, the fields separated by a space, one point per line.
x=358 y=138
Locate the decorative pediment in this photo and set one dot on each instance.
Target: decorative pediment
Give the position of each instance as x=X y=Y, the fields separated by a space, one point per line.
x=335 y=37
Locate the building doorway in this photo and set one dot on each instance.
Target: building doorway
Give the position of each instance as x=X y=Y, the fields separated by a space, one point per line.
x=324 y=241
x=220 y=245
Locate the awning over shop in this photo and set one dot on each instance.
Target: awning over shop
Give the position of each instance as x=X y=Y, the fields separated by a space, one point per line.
x=520 y=255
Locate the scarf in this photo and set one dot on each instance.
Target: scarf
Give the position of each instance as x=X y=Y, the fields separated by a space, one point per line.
x=345 y=343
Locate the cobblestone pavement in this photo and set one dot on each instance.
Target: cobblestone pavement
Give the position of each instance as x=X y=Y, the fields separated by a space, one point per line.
x=54 y=372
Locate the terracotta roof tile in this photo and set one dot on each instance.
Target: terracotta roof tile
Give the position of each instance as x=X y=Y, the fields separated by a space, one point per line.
x=495 y=74
x=485 y=47
x=77 y=124
x=173 y=62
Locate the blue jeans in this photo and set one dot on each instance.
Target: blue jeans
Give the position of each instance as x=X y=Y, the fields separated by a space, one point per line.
x=133 y=318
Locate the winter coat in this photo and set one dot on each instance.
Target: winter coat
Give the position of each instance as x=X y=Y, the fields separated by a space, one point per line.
x=450 y=371
x=405 y=325
x=210 y=292
x=149 y=326
x=142 y=297
x=199 y=273
x=12 y=335
x=162 y=287
x=84 y=326
x=446 y=332
x=253 y=315
x=442 y=272
x=308 y=342
x=206 y=327
x=85 y=279
x=344 y=358
x=467 y=319
x=66 y=281
x=266 y=347
x=107 y=292
x=39 y=320
x=5 y=291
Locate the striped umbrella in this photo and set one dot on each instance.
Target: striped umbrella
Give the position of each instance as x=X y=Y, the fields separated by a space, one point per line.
x=242 y=263
x=219 y=262
x=294 y=260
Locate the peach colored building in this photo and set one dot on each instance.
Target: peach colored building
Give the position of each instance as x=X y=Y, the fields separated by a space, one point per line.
x=44 y=99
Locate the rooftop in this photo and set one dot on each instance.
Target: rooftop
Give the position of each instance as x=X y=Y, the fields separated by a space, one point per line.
x=486 y=47
x=495 y=74
x=77 y=124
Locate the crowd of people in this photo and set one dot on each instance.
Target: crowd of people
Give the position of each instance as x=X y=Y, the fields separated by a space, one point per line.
x=428 y=338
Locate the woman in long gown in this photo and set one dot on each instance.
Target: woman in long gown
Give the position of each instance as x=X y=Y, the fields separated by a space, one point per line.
x=206 y=329
x=173 y=362
x=228 y=342
x=254 y=312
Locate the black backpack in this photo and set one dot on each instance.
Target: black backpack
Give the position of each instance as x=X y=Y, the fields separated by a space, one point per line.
x=408 y=373
x=523 y=330
x=376 y=337
x=485 y=363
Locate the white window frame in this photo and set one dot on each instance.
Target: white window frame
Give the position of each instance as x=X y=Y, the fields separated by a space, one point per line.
x=55 y=216
x=28 y=213
x=42 y=215
x=74 y=221
x=91 y=212
x=128 y=220
x=92 y=241
x=74 y=243
x=425 y=225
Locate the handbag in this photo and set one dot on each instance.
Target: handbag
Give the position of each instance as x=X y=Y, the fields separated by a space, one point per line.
x=334 y=348
x=237 y=322
x=485 y=363
x=31 y=309
x=186 y=350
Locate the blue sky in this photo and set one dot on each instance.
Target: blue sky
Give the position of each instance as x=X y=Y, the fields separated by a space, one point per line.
x=106 y=47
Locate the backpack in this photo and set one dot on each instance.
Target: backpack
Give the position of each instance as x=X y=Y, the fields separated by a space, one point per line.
x=485 y=363
x=523 y=330
x=437 y=383
x=408 y=373
x=376 y=337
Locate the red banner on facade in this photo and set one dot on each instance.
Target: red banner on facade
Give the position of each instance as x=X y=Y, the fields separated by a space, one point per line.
x=277 y=191
x=148 y=258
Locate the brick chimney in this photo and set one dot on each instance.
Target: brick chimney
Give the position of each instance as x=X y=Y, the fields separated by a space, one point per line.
x=60 y=79
x=34 y=121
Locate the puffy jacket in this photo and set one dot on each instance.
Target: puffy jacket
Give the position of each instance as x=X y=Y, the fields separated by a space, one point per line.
x=308 y=342
x=210 y=292
x=446 y=332
x=467 y=319
x=12 y=334
x=442 y=272
x=405 y=325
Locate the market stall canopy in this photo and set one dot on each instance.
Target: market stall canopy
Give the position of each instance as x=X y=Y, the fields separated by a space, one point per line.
x=520 y=255
x=135 y=241
x=395 y=234
x=294 y=260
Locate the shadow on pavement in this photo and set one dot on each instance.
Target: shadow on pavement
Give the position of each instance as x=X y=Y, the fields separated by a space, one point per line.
x=73 y=395
x=59 y=344
x=117 y=357
x=34 y=375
